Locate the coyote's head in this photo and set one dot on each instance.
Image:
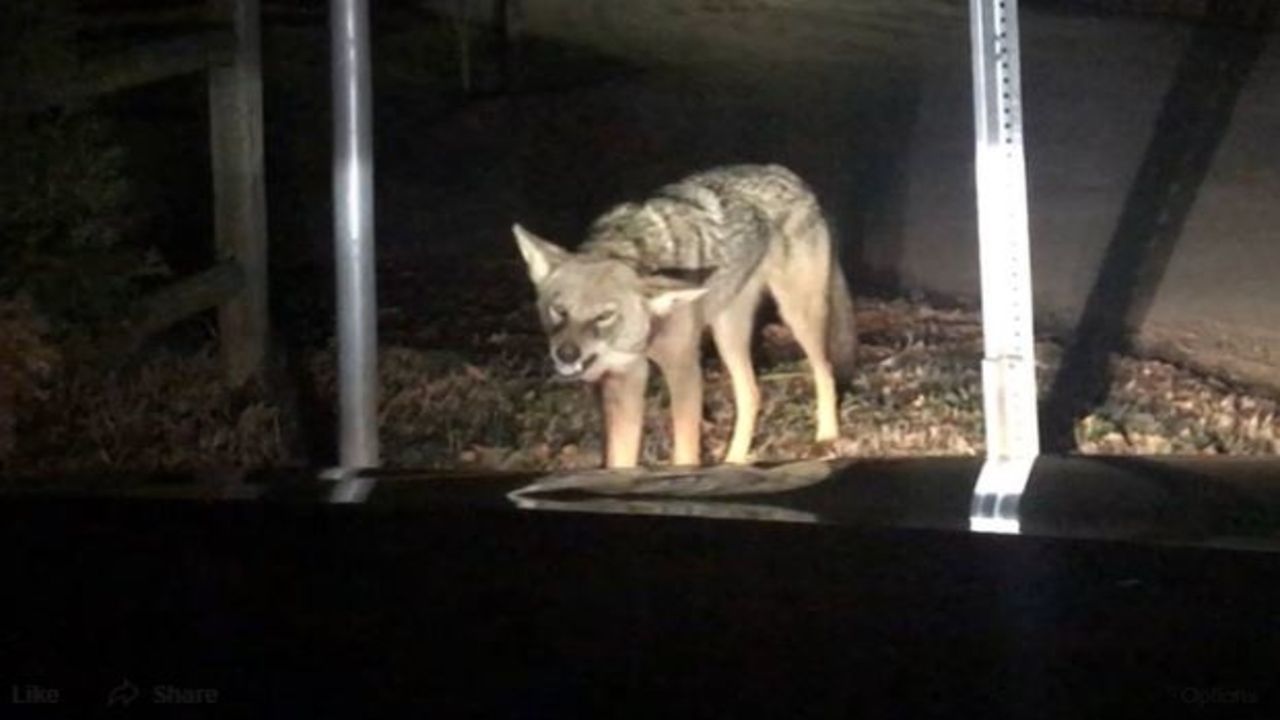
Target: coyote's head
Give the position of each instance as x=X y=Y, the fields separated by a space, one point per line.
x=599 y=313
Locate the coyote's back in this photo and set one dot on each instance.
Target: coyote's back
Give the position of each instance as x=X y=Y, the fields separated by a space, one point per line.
x=723 y=218
x=720 y=226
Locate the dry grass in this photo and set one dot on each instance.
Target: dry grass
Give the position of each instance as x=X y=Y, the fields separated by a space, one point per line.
x=918 y=393
x=28 y=361
x=1156 y=408
x=172 y=412
x=486 y=402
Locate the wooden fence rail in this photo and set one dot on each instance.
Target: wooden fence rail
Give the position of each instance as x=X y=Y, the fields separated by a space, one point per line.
x=138 y=65
x=173 y=303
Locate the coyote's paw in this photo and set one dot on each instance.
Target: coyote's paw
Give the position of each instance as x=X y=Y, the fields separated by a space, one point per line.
x=742 y=458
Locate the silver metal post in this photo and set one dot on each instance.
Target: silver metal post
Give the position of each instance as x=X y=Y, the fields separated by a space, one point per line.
x=353 y=234
x=1008 y=366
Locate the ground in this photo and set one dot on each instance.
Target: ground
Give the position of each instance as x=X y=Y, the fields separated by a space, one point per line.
x=480 y=395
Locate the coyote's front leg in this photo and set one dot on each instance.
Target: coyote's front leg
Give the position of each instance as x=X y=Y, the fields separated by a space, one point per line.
x=684 y=384
x=677 y=353
x=622 y=404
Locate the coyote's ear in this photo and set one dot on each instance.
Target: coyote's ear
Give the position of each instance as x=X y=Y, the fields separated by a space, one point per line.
x=663 y=294
x=540 y=255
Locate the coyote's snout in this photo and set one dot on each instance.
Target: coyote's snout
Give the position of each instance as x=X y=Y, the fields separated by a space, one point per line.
x=652 y=276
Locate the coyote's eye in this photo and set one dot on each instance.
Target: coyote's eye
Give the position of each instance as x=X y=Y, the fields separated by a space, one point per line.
x=556 y=314
x=606 y=318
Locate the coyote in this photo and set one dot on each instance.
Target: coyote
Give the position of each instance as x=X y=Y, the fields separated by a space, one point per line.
x=653 y=275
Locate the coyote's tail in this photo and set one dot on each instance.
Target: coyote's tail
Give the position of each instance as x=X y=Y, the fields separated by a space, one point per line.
x=842 y=330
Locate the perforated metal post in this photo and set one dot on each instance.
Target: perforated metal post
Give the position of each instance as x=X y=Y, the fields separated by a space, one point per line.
x=353 y=234
x=1008 y=365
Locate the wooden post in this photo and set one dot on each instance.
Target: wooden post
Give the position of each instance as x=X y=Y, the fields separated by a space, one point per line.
x=239 y=193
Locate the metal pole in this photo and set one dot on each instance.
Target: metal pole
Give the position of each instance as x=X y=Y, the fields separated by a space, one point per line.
x=353 y=234
x=1008 y=365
